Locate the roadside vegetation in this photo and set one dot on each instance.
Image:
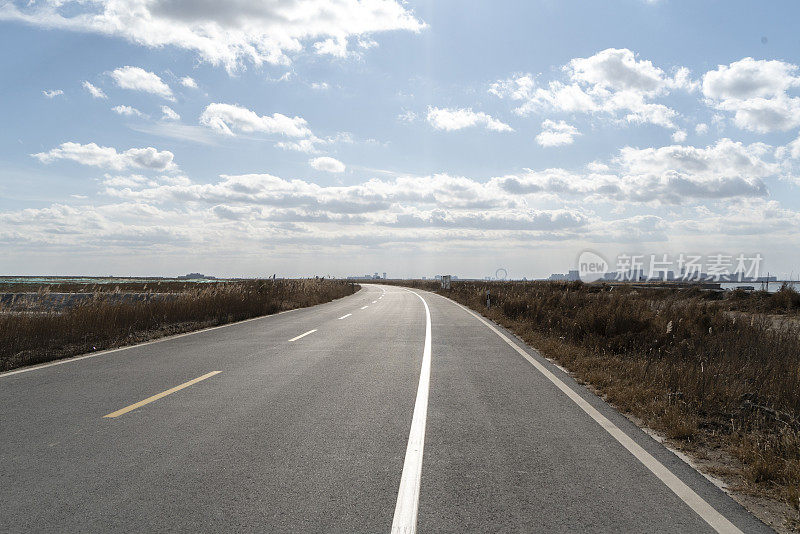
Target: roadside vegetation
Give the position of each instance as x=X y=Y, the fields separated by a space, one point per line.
x=116 y=316
x=712 y=371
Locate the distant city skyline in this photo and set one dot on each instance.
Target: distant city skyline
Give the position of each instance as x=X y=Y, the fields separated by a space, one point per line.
x=156 y=138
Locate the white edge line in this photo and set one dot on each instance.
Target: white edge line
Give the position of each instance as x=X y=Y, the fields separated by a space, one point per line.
x=345 y=316
x=707 y=512
x=303 y=335
x=364 y=307
x=405 y=511
x=153 y=341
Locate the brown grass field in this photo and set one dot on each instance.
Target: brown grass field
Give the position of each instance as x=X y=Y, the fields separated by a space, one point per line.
x=37 y=335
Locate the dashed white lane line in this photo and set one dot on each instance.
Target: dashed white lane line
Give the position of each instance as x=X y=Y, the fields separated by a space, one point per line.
x=139 y=345
x=345 y=316
x=374 y=301
x=707 y=512
x=364 y=307
x=405 y=511
x=303 y=335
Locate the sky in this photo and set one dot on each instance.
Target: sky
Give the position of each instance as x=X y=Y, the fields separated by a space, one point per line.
x=340 y=137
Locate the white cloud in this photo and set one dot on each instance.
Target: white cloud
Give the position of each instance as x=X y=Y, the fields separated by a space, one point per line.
x=794 y=148
x=138 y=79
x=668 y=175
x=188 y=81
x=743 y=217
x=285 y=77
x=756 y=92
x=171 y=213
x=128 y=111
x=518 y=87
x=408 y=116
x=336 y=47
x=107 y=157
x=597 y=167
x=227 y=33
x=169 y=114
x=458 y=119
x=556 y=134
x=671 y=175
x=749 y=78
x=701 y=128
x=725 y=157
x=176 y=130
x=52 y=94
x=320 y=86
x=679 y=136
x=617 y=69
x=612 y=82
x=367 y=43
x=228 y=118
x=309 y=146
x=96 y=92
x=327 y=164
x=413 y=203
x=682 y=79
x=725 y=169
x=764 y=115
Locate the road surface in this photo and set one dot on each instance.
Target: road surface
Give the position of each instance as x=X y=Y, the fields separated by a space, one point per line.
x=389 y=410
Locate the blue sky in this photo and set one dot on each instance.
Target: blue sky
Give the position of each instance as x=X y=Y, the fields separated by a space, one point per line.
x=338 y=136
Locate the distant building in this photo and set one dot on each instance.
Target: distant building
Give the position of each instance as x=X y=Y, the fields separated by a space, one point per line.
x=374 y=276
x=571 y=276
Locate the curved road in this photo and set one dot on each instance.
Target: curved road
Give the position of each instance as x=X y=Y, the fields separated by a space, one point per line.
x=336 y=419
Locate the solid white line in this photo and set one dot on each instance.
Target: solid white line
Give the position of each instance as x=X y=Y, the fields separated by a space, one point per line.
x=303 y=335
x=364 y=307
x=405 y=511
x=345 y=316
x=710 y=515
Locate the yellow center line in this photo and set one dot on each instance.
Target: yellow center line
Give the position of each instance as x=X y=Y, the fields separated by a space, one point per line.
x=148 y=400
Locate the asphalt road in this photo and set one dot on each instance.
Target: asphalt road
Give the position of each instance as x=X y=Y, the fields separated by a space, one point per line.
x=348 y=428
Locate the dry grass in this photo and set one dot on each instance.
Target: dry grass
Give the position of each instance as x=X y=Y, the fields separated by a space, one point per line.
x=676 y=359
x=784 y=301
x=27 y=338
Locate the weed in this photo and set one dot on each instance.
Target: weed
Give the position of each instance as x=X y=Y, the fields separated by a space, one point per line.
x=109 y=319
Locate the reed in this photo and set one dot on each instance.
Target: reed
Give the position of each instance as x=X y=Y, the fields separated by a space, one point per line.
x=35 y=336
